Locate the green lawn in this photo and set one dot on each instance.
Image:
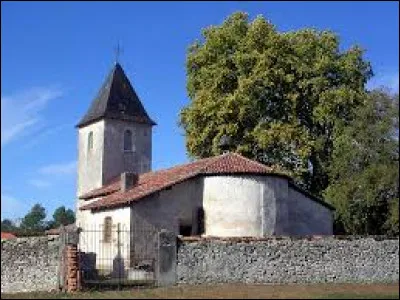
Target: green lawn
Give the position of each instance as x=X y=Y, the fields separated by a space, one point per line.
x=238 y=291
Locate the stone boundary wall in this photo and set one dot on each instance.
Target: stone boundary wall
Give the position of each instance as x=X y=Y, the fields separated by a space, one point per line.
x=30 y=264
x=317 y=259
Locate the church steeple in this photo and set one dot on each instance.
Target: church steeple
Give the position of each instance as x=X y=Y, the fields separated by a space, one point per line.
x=118 y=100
x=114 y=136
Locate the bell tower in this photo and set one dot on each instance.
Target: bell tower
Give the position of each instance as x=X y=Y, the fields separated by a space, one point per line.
x=114 y=136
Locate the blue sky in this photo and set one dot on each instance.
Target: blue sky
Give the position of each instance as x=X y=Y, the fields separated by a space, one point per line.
x=55 y=56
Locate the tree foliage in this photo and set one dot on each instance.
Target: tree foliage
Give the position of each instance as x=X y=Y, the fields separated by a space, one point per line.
x=297 y=101
x=364 y=172
x=7 y=226
x=62 y=216
x=34 y=223
x=34 y=220
x=278 y=95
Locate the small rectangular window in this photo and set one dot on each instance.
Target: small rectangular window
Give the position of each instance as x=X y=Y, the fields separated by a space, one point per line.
x=90 y=141
x=107 y=230
x=128 y=140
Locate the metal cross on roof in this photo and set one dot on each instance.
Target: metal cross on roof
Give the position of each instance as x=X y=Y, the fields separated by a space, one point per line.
x=118 y=51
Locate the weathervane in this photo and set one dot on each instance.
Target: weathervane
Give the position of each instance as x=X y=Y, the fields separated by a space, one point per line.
x=118 y=51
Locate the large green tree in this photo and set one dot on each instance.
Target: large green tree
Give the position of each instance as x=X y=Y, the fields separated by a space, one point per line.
x=34 y=220
x=277 y=95
x=62 y=216
x=364 y=172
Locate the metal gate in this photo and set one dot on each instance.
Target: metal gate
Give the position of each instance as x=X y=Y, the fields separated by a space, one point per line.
x=114 y=256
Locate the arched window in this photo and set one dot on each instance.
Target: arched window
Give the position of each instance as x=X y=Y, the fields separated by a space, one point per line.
x=107 y=230
x=128 y=140
x=90 y=141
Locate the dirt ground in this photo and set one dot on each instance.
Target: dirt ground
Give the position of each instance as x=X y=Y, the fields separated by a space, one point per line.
x=237 y=291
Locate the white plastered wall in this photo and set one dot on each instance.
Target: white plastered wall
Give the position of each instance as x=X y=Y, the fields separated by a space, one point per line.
x=233 y=205
x=90 y=162
x=92 y=235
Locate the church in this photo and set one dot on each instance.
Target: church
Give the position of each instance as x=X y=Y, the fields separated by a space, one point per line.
x=223 y=196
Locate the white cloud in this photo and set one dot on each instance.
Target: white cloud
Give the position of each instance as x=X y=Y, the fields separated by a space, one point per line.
x=39 y=183
x=21 y=112
x=59 y=169
x=44 y=134
x=11 y=207
x=388 y=80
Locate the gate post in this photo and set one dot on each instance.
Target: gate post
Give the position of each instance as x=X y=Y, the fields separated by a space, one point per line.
x=72 y=268
x=61 y=261
x=166 y=260
x=70 y=273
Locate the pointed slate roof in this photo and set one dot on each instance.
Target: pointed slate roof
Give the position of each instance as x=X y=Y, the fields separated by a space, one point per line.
x=116 y=100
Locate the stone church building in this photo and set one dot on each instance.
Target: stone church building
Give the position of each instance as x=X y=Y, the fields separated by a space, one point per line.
x=225 y=195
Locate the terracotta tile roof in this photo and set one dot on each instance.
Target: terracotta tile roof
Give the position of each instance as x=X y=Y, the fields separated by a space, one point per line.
x=7 y=236
x=110 y=188
x=56 y=231
x=149 y=183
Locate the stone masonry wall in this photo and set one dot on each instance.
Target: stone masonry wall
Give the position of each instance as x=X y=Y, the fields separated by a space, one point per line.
x=29 y=264
x=288 y=260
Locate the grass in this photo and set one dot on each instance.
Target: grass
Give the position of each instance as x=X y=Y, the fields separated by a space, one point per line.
x=237 y=291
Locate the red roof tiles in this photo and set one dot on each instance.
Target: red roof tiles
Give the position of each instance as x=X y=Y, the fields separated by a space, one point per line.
x=149 y=183
x=7 y=236
x=57 y=231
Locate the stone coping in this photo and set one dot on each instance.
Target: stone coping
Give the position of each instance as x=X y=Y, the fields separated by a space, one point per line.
x=26 y=239
x=192 y=239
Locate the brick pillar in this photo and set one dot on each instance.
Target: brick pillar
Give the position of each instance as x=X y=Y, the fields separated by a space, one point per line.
x=73 y=280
